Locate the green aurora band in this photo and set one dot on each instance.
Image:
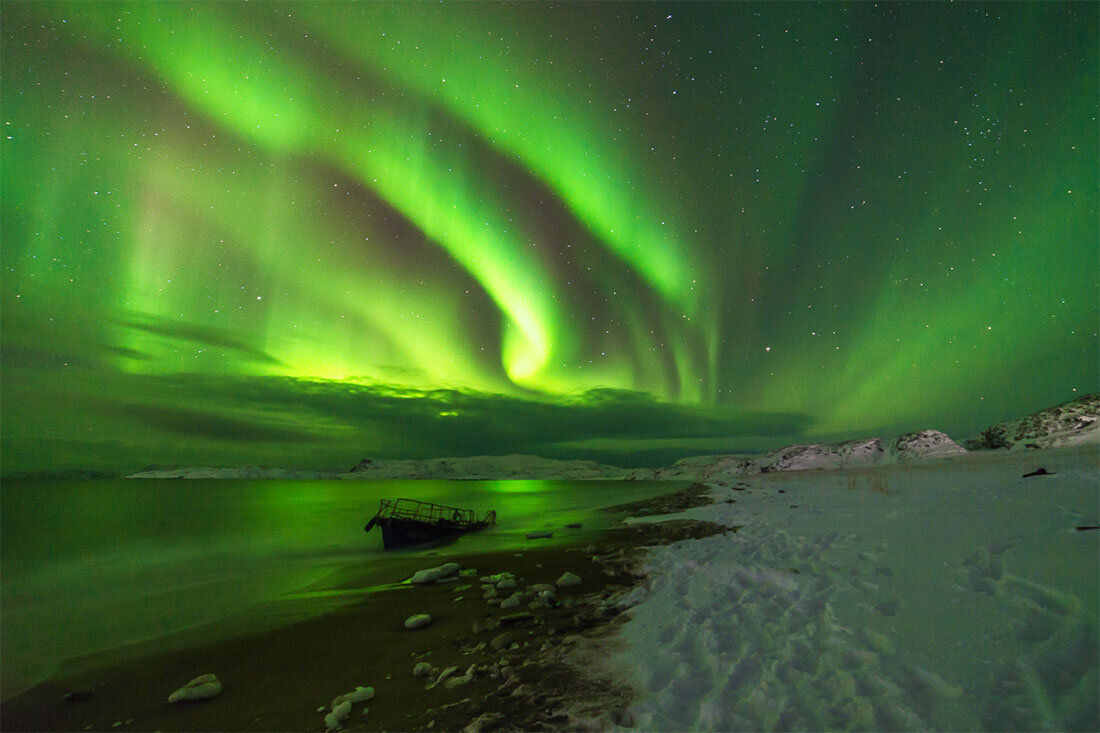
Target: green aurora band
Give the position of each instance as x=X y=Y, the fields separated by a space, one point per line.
x=310 y=232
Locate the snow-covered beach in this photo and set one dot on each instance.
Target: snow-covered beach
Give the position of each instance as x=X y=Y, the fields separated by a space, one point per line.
x=950 y=595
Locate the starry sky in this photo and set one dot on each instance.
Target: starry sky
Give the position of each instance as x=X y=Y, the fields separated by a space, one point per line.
x=302 y=234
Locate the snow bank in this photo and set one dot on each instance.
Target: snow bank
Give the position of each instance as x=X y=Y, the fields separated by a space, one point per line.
x=947 y=596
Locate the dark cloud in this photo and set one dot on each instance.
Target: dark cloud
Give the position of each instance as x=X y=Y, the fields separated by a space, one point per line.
x=25 y=356
x=127 y=353
x=641 y=457
x=185 y=331
x=246 y=420
x=400 y=372
x=209 y=425
x=422 y=422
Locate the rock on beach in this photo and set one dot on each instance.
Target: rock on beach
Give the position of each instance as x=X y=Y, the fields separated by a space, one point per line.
x=417 y=621
x=503 y=641
x=568 y=579
x=431 y=575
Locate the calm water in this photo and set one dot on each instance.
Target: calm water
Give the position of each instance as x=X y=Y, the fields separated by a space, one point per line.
x=90 y=565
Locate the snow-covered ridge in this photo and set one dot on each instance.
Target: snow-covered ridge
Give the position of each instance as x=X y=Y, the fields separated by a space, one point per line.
x=469 y=468
x=873 y=451
x=907 y=448
x=514 y=466
x=1067 y=424
x=1070 y=423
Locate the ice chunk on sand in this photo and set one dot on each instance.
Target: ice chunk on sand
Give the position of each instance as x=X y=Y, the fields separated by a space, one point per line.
x=482 y=721
x=441 y=678
x=361 y=694
x=458 y=681
x=200 y=688
x=338 y=715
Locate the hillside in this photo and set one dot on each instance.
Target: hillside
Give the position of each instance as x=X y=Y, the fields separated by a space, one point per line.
x=1069 y=423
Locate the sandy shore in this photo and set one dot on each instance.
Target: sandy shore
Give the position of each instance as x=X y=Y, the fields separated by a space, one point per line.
x=276 y=679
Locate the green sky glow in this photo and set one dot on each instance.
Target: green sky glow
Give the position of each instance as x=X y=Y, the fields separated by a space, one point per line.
x=306 y=233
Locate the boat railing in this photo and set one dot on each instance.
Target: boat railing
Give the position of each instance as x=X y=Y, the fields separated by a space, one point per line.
x=425 y=511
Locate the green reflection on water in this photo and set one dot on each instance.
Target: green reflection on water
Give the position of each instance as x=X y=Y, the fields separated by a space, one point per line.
x=533 y=486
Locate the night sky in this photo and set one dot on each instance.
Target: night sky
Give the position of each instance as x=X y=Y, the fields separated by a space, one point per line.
x=302 y=234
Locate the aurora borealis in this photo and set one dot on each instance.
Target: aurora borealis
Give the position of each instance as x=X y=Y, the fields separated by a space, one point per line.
x=301 y=234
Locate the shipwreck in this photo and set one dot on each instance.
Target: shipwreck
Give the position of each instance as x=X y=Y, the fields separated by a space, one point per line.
x=407 y=522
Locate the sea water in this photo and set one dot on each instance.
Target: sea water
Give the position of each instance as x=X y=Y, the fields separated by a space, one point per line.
x=95 y=564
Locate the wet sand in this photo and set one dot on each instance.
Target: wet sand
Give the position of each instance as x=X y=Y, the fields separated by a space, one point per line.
x=349 y=631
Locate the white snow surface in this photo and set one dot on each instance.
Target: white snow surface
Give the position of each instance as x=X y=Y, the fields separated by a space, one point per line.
x=950 y=595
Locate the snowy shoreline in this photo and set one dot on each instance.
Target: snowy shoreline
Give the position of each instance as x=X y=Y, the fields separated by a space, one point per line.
x=955 y=595
x=946 y=595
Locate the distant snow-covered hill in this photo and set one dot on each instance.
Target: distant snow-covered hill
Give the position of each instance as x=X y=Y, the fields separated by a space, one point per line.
x=485 y=467
x=865 y=452
x=1067 y=424
x=252 y=472
x=472 y=467
x=1070 y=423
